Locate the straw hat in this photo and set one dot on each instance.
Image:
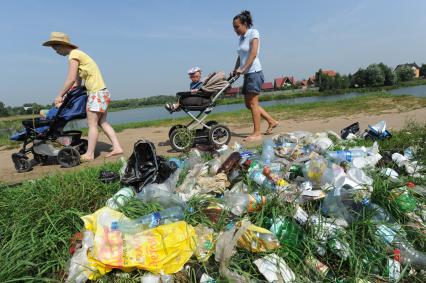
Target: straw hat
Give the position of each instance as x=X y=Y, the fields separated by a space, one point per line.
x=57 y=37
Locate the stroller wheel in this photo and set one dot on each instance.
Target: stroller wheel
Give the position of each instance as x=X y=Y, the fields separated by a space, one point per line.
x=22 y=164
x=174 y=128
x=219 y=135
x=68 y=157
x=181 y=139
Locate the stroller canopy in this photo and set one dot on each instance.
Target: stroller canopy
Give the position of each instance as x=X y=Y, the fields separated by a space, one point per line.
x=215 y=82
x=74 y=105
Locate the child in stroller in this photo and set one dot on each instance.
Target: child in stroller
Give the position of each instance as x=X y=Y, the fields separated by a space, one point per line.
x=196 y=83
x=183 y=137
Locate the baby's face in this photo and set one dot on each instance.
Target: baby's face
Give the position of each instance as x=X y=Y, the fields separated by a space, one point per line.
x=195 y=77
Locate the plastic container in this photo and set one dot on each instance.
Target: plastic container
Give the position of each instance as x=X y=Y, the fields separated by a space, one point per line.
x=149 y=221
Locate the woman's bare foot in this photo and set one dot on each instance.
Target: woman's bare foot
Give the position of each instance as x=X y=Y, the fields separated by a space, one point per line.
x=86 y=158
x=253 y=138
x=114 y=152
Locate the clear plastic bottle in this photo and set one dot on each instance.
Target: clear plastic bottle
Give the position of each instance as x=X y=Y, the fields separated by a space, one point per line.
x=120 y=197
x=149 y=221
x=259 y=178
x=268 y=153
x=154 y=193
x=238 y=203
x=343 y=205
x=346 y=155
x=409 y=255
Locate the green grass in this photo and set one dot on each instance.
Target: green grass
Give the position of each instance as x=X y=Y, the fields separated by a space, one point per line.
x=39 y=217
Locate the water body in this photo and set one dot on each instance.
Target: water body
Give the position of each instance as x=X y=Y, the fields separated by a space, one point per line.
x=159 y=112
x=419 y=91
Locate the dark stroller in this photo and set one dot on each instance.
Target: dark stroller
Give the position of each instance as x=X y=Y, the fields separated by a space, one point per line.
x=183 y=137
x=48 y=137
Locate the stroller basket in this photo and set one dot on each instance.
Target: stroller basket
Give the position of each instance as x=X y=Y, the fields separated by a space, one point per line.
x=69 y=137
x=193 y=102
x=35 y=123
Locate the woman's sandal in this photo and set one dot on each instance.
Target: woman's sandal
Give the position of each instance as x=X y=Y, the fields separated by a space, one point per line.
x=271 y=128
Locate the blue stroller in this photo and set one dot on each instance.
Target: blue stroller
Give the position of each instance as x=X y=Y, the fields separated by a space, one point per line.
x=48 y=137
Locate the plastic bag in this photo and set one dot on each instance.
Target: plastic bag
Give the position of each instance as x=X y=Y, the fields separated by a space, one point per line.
x=257 y=239
x=205 y=242
x=225 y=249
x=164 y=249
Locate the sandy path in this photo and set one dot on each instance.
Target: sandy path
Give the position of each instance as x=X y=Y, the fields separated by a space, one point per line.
x=128 y=137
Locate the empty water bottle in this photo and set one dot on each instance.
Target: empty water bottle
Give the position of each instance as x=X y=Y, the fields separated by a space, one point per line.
x=154 y=193
x=346 y=155
x=259 y=178
x=268 y=153
x=149 y=221
x=120 y=198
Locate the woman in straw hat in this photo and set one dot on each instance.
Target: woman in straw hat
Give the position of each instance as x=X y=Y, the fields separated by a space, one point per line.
x=82 y=67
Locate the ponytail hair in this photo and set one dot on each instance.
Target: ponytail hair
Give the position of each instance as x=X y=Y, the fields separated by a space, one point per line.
x=245 y=18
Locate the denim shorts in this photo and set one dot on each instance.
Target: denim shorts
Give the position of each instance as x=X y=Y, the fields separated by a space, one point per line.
x=253 y=83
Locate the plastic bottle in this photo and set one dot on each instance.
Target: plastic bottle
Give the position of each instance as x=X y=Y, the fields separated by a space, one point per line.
x=403 y=161
x=420 y=190
x=231 y=162
x=344 y=205
x=120 y=198
x=259 y=178
x=409 y=255
x=346 y=155
x=149 y=221
x=316 y=169
x=403 y=199
x=152 y=193
x=288 y=232
x=238 y=203
x=268 y=153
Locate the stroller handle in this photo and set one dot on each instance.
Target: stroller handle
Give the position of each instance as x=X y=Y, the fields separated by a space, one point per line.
x=232 y=78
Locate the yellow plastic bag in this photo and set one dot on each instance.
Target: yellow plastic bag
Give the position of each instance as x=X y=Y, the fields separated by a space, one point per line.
x=163 y=250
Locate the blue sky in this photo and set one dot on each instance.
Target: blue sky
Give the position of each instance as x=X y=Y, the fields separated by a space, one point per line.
x=144 y=48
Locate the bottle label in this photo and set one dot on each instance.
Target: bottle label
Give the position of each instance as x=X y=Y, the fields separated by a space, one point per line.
x=258 y=177
x=386 y=233
x=301 y=216
x=155 y=220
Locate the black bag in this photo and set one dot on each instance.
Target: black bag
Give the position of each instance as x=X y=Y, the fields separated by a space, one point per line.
x=351 y=129
x=145 y=167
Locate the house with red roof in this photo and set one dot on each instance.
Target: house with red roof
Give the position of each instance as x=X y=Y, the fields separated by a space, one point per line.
x=330 y=73
x=233 y=91
x=268 y=86
x=284 y=81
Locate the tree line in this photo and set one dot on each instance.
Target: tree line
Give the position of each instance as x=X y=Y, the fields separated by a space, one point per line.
x=30 y=108
x=375 y=75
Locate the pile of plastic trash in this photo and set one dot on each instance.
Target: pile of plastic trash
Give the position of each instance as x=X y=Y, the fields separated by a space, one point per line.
x=297 y=170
